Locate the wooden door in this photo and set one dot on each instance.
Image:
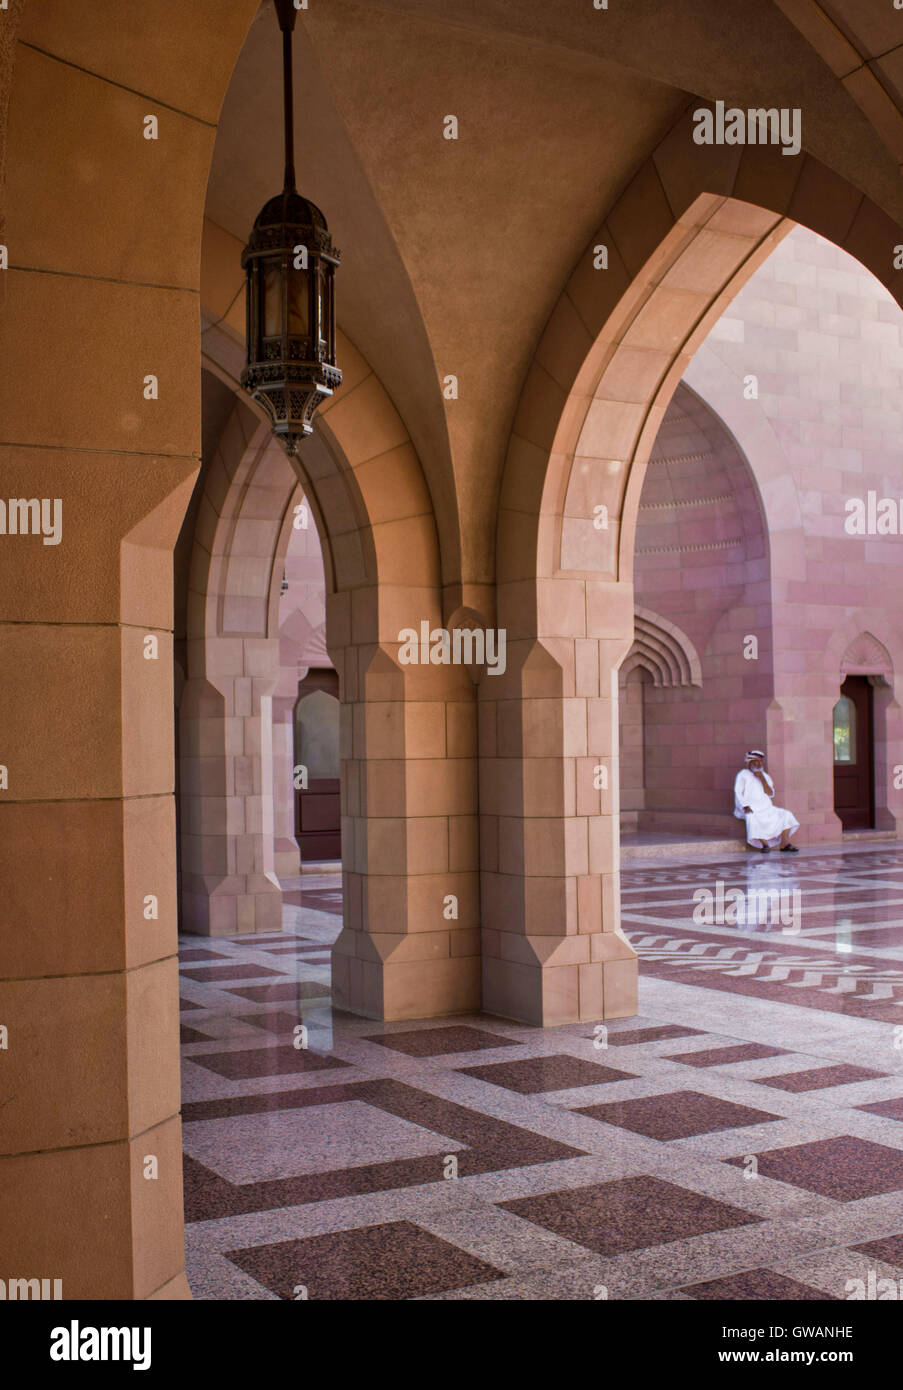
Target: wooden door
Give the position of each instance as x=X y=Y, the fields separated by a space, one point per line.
x=854 y=758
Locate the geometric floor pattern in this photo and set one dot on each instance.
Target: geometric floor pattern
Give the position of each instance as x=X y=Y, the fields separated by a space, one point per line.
x=742 y=1139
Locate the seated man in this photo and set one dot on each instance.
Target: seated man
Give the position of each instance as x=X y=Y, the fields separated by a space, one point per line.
x=765 y=822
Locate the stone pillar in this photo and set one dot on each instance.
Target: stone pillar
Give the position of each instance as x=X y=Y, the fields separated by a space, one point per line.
x=90 y=1143
x=229 y=883
x=549 y=763
x=798 y=743
x=410 y=945
x=91 y=1180
x=287 y=855
x=888 y=723
x=632 y=696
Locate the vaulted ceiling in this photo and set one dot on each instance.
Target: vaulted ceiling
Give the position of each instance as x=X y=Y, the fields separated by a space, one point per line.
x=455 y=251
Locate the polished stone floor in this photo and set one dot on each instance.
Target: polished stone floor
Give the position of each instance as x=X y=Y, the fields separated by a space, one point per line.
x=741 y=1139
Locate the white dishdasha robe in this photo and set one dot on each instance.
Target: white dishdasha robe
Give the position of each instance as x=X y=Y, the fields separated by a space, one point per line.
x=766 y=821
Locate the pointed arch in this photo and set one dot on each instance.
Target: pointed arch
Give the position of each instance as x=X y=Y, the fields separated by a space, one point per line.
x=689 y=230
x=856 y=649
x=866 y=656
x=686 y=234
x=664 y=650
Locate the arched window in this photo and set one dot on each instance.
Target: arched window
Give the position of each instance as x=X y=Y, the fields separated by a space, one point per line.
x=844 y=731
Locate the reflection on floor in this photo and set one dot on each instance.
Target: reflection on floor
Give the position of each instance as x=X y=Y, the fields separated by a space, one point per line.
x=741 y=1139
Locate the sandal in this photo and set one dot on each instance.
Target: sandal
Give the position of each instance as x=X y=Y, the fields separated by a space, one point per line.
x=789 y=849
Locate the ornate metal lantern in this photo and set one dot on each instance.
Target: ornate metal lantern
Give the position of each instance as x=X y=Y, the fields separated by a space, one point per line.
x=290 y=264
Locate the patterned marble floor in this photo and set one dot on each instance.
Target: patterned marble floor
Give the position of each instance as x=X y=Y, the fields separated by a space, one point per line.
x=741 y=1139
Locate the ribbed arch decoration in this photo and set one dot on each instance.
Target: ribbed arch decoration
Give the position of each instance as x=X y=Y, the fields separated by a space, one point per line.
x=662 y=649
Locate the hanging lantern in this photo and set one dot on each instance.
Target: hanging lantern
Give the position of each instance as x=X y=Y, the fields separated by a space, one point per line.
x=290 y=264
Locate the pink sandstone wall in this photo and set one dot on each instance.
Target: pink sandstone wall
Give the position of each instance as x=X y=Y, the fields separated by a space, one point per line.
x=805 y=371
x=701 y=562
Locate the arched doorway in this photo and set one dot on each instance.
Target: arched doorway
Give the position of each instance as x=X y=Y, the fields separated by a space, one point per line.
x=854 y=755
x=317 y=801
x=864 y=720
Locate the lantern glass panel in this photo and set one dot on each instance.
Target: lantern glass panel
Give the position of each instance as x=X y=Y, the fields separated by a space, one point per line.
x=321 y=304
x=272 y=300
x=297 y=301
x=330 y=317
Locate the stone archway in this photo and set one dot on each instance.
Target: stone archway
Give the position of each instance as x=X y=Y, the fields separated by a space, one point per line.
x=687 y=233
x=409 y=791
x=301 y=625
x=229 y=883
